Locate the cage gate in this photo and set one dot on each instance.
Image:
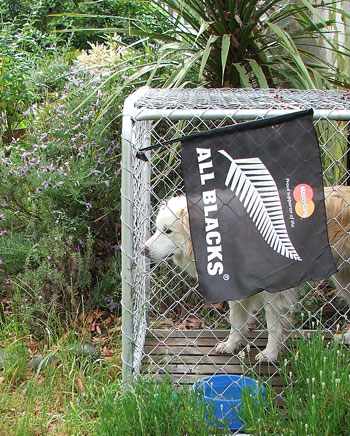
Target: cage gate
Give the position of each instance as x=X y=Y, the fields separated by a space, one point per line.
x=165 y=327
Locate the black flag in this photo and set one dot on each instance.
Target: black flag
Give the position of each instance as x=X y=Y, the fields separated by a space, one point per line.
x=256 y=207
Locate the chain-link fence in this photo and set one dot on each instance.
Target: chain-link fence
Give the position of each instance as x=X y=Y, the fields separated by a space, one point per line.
x=166 y=327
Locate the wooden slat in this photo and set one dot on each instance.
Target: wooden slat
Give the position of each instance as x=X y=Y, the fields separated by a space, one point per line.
x=221 y=334
x=214 y=369
x=205 y=333
x=171 y=341
x=194 y=350
x=220 y=359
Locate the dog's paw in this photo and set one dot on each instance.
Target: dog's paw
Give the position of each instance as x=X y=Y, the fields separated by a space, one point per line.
x=267 y=356
x=226 y=347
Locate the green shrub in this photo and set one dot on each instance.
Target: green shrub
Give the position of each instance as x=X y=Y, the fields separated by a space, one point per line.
x=60 y=203
x=61 y=15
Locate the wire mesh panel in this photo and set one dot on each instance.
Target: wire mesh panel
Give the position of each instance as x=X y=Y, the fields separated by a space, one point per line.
x=166 y=327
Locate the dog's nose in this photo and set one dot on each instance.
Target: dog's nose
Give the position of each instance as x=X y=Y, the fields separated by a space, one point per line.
x=145 y=251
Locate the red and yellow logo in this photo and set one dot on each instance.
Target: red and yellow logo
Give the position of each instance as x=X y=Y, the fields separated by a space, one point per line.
x=303 y=194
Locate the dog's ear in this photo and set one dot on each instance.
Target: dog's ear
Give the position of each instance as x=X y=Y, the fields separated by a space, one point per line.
x=183 y=215
x=186 y=230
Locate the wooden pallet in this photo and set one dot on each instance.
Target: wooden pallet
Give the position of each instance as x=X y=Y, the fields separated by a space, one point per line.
x=187 y=355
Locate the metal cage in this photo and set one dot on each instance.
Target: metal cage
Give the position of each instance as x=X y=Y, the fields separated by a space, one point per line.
x=165 y=327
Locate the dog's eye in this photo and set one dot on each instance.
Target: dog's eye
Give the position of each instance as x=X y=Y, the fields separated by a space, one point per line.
x=168 y=231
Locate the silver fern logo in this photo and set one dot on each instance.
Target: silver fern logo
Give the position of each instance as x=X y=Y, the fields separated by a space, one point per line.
x=253 y=184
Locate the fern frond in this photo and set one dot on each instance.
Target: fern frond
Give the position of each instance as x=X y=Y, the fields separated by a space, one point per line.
x=253 y=184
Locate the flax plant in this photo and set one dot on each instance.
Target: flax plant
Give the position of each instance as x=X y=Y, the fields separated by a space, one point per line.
x=240 y=43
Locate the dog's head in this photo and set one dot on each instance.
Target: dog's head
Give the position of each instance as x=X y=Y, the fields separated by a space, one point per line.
x=171 y=239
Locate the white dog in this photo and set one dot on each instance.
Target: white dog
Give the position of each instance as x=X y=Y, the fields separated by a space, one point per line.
x=172 y=241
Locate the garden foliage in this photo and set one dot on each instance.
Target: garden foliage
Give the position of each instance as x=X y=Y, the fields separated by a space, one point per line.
x=148 y=408
x=59 y=209
x=60 y=117
x=316 y=394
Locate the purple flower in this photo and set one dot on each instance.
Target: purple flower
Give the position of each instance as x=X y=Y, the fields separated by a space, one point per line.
x=88 y=206
x=87 y=116
x=107 y=183
x=34 y=161
x=3 y=232
x=46 y=183
x=26 y=154
x=111 y=303
x=2 y=217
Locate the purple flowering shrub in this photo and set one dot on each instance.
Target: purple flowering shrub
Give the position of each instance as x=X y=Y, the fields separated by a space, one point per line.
x=60 y=203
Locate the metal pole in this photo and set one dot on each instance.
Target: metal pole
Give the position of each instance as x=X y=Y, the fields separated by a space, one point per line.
x=127 y=237
x=237 y=114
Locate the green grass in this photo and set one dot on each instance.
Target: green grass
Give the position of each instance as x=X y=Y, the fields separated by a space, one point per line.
x=75 y=389
x=149 y=408
x=62 y=395
x=317 y=393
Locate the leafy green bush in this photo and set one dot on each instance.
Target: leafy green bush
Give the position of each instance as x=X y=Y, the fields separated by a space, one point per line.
x=316 y=395
x=60 y=203
x=22 y=46
x=58 y=15
x=149 y=408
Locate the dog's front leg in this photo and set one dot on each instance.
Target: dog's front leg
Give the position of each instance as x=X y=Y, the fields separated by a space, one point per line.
x=275 y=334
x=239 y=320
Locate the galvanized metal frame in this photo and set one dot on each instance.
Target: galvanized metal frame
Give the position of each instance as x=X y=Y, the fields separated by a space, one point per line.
x=137 y=123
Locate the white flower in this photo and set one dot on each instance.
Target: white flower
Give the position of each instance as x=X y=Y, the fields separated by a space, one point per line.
x=100 y=56
x=241 y=354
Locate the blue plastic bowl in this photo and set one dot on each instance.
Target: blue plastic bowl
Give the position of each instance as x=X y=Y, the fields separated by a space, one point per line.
x=225 y=393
